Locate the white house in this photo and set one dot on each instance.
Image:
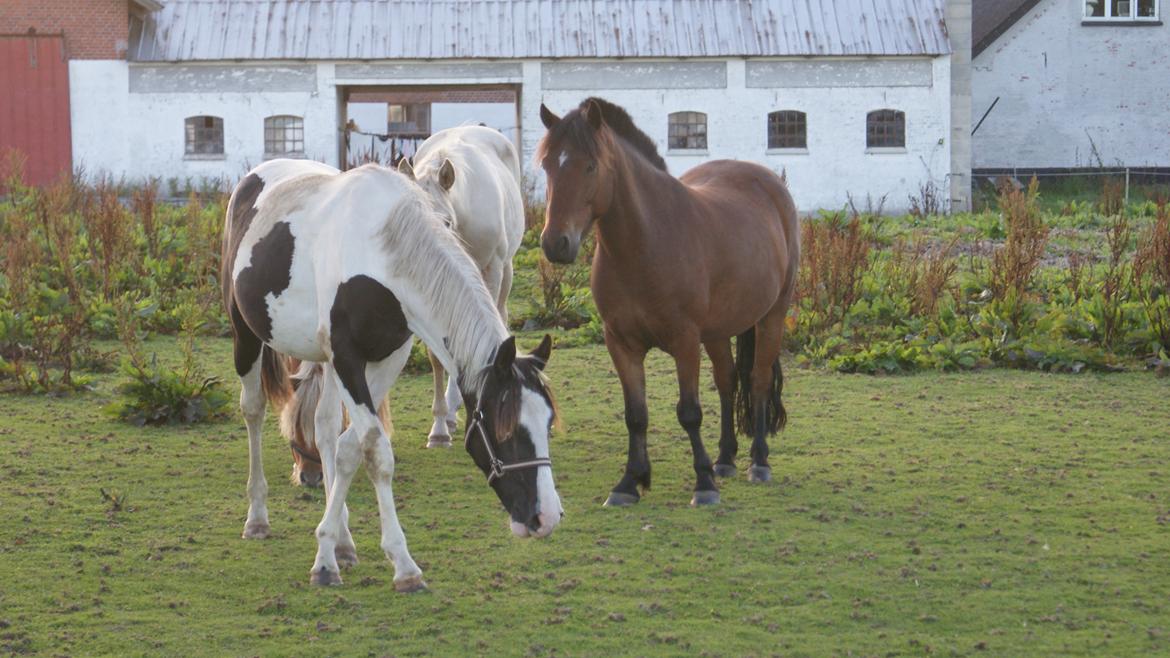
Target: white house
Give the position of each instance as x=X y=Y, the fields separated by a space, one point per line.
x=1069 y=84
x=849 y=98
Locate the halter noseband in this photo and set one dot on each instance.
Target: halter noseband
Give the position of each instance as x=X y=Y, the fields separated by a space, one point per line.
x=304 y=455
x=498 y=467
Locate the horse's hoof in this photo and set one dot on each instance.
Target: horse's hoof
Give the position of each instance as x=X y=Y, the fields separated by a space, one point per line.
x=256 y=531
x=760 y=474
x=725 y=470
x=621 y=499
x=324 y=578
x=436 y=441
x=346 y=556
x=705 y=498
x=452 y=425
x=409 y=585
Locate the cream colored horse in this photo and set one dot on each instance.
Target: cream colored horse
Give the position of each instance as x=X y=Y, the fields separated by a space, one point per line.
x=476 y=170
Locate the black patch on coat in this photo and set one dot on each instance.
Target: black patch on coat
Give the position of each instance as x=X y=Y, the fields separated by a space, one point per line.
x=247 y=345
x=366 y=326
x=270 y=271
x=243 y=210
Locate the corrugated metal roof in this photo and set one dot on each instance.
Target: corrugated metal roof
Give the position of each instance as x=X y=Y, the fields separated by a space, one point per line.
x=185 y=30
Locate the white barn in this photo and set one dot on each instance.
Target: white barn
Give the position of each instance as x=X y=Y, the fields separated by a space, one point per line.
x=851 y=97
x=1070 y=84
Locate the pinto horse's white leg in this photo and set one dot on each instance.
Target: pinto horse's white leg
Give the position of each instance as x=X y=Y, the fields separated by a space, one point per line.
x=367 y=437
x=346 y=459
x=326 y=428
x=440 y=434
x=253 y=403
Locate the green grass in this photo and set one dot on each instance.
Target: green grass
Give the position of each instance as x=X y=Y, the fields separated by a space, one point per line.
x=1017 y=513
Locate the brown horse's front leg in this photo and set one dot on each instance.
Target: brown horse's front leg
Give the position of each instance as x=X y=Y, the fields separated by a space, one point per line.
x=690 y=416
x=630 y=369
x=723 y=369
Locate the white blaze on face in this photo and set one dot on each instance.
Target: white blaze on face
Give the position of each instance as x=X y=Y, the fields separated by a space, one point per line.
x=535 y=417
x=563 y=159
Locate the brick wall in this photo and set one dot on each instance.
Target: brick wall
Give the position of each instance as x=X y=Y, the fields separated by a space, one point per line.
x=94 y=29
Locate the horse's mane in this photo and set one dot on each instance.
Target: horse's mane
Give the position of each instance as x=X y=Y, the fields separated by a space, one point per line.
x=430 y=258
x=575 y=128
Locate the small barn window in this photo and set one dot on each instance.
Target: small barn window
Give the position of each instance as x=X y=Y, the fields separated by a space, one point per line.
x=1121 y=10
x=787 y=129
x=204 y=135
x=687 y=130
x=885 y=129
x=284 y=135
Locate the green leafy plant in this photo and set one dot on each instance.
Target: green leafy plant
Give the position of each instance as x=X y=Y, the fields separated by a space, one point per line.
x=157 y=395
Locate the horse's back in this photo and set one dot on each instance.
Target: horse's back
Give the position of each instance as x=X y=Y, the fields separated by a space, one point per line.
x=488 y=203
x=751 y=220
x=302 y=228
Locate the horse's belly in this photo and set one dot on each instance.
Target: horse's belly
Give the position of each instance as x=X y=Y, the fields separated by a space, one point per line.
x=294 y=325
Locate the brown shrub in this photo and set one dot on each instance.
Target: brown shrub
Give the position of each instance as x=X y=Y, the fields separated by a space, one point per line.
x=923 y=273
x=1151 y=274
x=834 y=258
x=1014 y=264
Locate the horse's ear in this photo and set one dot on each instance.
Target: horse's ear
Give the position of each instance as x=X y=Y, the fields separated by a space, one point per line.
x=505 y=357
x=542 y=352
x=405 y=169
x=446 y=175
x=592 y=112
x=547 y=117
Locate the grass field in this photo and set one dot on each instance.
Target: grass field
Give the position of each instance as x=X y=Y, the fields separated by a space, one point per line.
x=996 y=512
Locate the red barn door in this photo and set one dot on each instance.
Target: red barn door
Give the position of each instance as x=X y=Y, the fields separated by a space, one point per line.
x=34 y=104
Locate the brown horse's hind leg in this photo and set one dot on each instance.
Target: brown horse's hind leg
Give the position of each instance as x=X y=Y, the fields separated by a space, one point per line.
x=723 y=368
x=630 y=369
x=690 y=416
x=767 y=381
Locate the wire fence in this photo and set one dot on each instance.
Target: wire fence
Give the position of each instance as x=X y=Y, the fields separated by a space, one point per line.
x=1137 y=182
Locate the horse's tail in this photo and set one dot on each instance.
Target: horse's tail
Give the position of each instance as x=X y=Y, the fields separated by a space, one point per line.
x=745 y=356
x=296 y=419
x=274 y=377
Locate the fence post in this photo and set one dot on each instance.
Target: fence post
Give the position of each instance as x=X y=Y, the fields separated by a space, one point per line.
x=1127 y=188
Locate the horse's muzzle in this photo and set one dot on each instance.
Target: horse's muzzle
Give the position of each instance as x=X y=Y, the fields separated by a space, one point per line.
x=561 y=250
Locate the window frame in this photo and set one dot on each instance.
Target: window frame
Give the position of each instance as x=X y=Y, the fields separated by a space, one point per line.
x=801 y=119
x=900 y=116
x=274 y=134
x=1131 y=18
x=193 y=135
x=673 y=120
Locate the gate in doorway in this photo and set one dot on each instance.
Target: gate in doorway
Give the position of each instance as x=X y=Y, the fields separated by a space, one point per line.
x=384 y=124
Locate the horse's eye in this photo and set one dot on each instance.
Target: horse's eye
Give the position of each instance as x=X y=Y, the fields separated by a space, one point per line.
x=591 y=168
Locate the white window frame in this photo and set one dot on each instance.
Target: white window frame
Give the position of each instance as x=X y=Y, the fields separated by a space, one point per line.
x=284 y=134
x=1131 y=17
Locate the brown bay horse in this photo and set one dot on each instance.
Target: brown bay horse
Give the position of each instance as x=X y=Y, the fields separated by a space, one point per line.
x=679 y=263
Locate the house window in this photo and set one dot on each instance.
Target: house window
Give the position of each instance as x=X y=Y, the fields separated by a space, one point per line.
x=1121 y=10
x=687 y=130
x=284 y=135
x=787 y=130
x=885 y=129
x=204 y=135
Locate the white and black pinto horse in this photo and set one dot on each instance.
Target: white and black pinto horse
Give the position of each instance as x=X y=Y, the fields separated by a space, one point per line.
x=476 y=170
x=340 y=269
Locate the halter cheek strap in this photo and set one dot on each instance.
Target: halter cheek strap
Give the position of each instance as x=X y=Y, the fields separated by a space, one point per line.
x=498 y=468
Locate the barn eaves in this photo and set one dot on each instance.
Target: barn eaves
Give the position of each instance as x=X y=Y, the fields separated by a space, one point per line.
x=991 y=18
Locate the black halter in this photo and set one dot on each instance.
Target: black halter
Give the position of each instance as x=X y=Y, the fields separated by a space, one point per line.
x=498 y=468
x=304 y=455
